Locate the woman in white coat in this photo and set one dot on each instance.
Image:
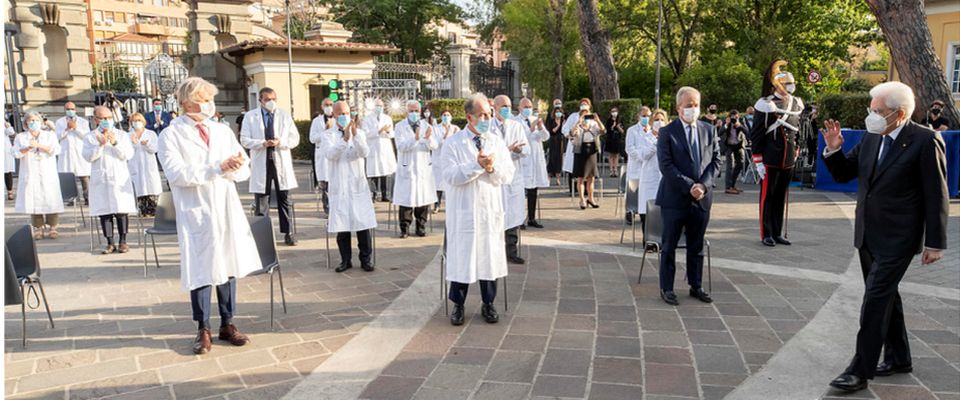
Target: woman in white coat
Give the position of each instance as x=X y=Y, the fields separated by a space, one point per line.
x=203 y=161
x=534 y=165
x=414 y=189
x=144 y=171
x=351 y=206
x=9 y=159
x=650 y=168
x=318 y=126
x=108 y=149
x=381 y=160
x=443 y=130
x=38 y=187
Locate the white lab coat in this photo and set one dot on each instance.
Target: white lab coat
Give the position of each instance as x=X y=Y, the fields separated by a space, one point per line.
x=351 y=203
x=440 y=134
x=649 y=171
x=632 y=148
x=571 y=122
x=111 y=191
x=38 y=189
x=252 y=137
x=9 y=159
x=212 y=228
x=414 y=185
x=514 y=194
x=381 y=161
x=475 y=214
x=143 y=166
x=534 y=166
x=71 y=147
x=320 y=163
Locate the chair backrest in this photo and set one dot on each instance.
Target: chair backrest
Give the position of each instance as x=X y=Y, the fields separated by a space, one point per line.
x=166 y=214
x=622 y=187
x=262 y=229
x=632 y=203
x=68 y=186
x=11 y=285
x=23 y=251
x=653 y=228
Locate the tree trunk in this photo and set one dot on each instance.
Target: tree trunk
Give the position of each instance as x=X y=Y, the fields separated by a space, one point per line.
x=907 y=34
x=555 y=27
x=604 y=82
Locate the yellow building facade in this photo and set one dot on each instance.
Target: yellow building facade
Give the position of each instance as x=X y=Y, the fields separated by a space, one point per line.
x=943 y=18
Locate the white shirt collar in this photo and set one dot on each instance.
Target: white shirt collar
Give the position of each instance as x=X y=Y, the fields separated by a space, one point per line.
x=896 y=132
x=686 y=125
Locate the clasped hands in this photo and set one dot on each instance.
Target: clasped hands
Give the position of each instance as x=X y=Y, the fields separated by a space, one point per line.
x=698 y=191
x=517 y=146
x=106 y=137
x=233 y=163
x=485 y=161
x=271 y=142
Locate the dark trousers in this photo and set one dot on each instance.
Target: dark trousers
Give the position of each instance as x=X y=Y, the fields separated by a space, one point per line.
x=734 y=166
x=283 y=199
x=439 y=199
x=363 y=243
x=85 y=186
x=322 y=186
x=773 y=200
x=8 y=181
x=381 y=183
x=512 y=238
x=532 y=204
x=106 y=225
x=692 y=222
x=458 y=292
x=226 y=301
x=407 y=214
x=881 y=315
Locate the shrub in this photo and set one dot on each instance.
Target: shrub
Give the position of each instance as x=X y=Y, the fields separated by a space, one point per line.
x=848 y=108
x=628 y=109
x=304 y=150
x=455 y=106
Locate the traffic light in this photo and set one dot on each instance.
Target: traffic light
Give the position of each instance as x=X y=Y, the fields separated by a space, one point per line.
x=335 y=86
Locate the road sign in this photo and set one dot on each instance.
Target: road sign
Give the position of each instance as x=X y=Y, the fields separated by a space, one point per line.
x=814 y=76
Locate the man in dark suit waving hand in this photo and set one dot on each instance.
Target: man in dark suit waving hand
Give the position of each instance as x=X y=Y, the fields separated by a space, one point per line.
x=902 y=202
x=688 y=153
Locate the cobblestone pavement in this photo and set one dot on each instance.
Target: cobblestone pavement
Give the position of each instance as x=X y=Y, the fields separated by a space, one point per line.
x=578 y=324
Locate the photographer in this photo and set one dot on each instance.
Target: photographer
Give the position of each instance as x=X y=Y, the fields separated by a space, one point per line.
x=935 y=118
x=733 y=141
x=586 y=136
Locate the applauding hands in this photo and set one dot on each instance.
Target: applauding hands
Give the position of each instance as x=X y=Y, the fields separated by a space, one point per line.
x=233 y=163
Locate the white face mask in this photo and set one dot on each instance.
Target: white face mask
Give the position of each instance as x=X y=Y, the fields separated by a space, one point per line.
x=790 y=87
x=876 y=123
x=690 y=114
x=614 y=114
x=270 y=105
x=657 y=125
x=328 y=110
x=206 y=110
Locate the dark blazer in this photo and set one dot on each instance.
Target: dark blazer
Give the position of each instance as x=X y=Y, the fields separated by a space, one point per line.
x=152 y=121
x=676 y=165
x=902 y=203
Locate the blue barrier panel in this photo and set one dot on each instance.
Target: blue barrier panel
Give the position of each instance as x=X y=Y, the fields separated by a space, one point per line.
x=852 y=137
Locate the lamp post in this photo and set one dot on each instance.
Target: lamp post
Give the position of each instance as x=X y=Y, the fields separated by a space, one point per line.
x=289 y=56
x=656 y=85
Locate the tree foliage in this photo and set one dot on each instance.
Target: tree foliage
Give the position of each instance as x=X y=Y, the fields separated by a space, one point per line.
x=725 y=81
x=113 y=76
x=528 y=26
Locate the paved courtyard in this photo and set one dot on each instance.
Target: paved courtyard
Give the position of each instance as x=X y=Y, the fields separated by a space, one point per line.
x=576 y=324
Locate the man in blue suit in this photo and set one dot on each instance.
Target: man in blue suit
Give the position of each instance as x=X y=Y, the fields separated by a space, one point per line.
x=688 y=153
x=157 y=119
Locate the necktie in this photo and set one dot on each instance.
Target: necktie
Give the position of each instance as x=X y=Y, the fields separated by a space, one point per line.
x=887 y=143
x=694 y=149
x=477 y=142
x=203 y=134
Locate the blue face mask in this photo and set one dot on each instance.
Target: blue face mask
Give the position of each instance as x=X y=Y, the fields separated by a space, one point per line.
x=644 y=121
x=483 y=126
x=413 y=117
x=445 y=119
x=106 y=124
x=558 y=114
x=505 y=112
x=158 y=107
x=71 y=113
x=749 y=118
x=379 y=109
x=34 y=125
x=343 y=120
x=526 y=112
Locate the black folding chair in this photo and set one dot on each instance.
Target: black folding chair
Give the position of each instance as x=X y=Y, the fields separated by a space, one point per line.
x=653 y=241
x=631 y=206
x=21 y=256
x=164 y=224
x=263 y=235
x=70 y=193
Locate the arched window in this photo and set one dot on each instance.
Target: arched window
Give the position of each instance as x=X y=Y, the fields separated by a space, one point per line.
x=55 y=58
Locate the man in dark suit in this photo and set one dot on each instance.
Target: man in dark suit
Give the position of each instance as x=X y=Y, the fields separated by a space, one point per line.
x=688 y=153
x=157 y=119
x=901 y=211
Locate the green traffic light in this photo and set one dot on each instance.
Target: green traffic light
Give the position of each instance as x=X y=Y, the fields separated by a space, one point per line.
x=334 y=96
x=333 y=84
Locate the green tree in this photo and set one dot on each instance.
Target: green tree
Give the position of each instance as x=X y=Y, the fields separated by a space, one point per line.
x=405 y=24
x=725 y=81
x=113 y=76
x=531 y=28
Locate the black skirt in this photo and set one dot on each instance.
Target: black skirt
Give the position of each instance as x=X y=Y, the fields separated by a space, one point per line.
x=585 y=162
x=555 y=154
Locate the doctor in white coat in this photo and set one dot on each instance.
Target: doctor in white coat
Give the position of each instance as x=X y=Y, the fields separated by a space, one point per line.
x=477 y=164
x=111 y=192
x=650 y=171
x=442 y=131
x=71 y=130
x=414 y=189
x=9 y=159
x=144 y=171
x=534 y=165
x=38 y=186
x=203 y=161
x=270 y=134
x=318 y=126
x=572 y=120
x=515 y=137
x=351 y=206
x=381 y=160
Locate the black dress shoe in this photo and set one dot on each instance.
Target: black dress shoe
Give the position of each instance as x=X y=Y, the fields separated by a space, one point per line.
x=701 y=295
x=421 y=233
x=289 y=240
x=516 y=260
x=849 y=383
x=781 y=240
x=887 y=369
x=456 y=318
x=344 y=266
x=367 y=266
x=385 y=199
x=767 y=241
x=669 y=297
x=592 y=204
x=403 y=235
x=523 y=227
x=489 y=314
x=534 y=224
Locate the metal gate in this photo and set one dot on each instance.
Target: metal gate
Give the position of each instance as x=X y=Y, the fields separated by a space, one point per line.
x=490 y=79
x=137 y=73
x=433 y=77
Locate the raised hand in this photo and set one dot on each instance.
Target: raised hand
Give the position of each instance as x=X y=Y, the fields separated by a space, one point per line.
x=831 y=134
x=102 y=138
x=428 y=133
x=517 y=147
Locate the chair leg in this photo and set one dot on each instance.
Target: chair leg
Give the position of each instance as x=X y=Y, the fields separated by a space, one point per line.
x=327 y=231
x=634 y=230
x=145 y=257
x=23 y=313
x=539 y=210
x=709 y=271
x=271 y=301
x=140 y=240
x=76 y=227
x=83 y=218
x=616 y=208
x=643 y=263
x=505 y=308
x=283 y=296
x=156 y=258
x=623 y=229
x=45 y=304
